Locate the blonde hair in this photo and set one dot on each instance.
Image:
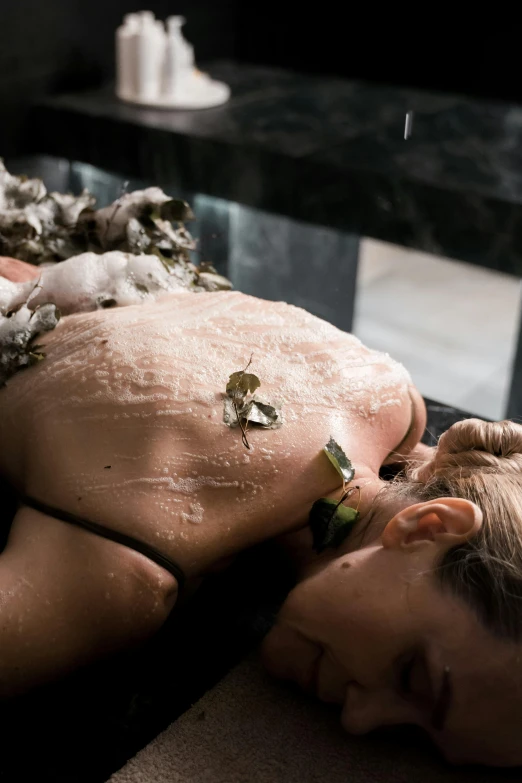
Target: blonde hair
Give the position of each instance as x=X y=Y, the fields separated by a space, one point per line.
x=482 y=462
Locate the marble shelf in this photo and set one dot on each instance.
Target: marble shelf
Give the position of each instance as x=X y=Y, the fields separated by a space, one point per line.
x=325 y=150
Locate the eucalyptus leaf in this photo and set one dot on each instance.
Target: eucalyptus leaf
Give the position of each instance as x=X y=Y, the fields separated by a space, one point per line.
x=339 y=460
x=17 y=335
x=330 y=523
x=34 y=358
x=229 y=413
x=211 y=281
x=167 y=262
x=138 y=241
x=253 y=411
x=266 y=415
x=176 y=210
x=241 y=383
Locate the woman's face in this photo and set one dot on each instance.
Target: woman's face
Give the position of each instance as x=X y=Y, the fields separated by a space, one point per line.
x=374 y=633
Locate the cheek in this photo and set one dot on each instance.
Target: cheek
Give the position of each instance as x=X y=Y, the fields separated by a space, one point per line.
x=356 y=607
x=287 y=654
x=317 y=610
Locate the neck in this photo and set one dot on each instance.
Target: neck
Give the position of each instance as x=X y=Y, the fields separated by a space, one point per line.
x=374 y=516
x=366 y=531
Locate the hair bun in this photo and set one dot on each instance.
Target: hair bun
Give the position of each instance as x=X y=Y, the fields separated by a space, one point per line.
x=474 y=445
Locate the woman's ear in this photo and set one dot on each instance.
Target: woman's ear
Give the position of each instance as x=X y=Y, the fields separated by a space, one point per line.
x=448 y=521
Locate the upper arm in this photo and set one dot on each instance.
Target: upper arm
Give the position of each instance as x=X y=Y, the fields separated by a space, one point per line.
x=67 y=598
x=17 y=271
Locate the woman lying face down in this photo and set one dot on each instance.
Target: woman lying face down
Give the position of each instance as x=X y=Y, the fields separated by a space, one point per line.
x=414 y=618
x=419 y=622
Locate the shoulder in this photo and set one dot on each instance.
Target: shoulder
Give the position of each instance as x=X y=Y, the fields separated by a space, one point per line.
x=81 y=597
x=415 y=431
x=93 y=568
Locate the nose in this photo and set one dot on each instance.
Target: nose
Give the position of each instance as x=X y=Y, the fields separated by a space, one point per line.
x=366 y=709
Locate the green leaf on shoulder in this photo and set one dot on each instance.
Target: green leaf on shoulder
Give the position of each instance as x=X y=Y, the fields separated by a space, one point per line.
x=339 y=460
x=330 y=523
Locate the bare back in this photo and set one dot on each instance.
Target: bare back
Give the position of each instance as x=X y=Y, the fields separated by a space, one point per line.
x=122 y=423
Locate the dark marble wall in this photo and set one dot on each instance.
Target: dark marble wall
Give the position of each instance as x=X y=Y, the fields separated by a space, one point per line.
x=58 y=45
x=424 y=48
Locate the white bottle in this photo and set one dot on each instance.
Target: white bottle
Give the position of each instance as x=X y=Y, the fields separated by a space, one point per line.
x=126 y=81
x=155 y=68
x=179 y=60
x=149 y=51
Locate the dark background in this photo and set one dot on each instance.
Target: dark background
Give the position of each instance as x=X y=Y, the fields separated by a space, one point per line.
x=421 y=48
x=47 y=46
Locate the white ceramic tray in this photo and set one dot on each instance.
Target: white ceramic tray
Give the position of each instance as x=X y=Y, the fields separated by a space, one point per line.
x=205 y=94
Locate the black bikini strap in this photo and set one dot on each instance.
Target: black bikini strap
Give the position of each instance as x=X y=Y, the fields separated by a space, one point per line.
x=113 y=535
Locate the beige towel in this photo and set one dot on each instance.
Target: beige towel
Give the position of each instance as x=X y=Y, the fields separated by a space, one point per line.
x=251 y=729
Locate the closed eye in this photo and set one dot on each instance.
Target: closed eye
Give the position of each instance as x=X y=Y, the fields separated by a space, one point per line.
x=415 y=683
